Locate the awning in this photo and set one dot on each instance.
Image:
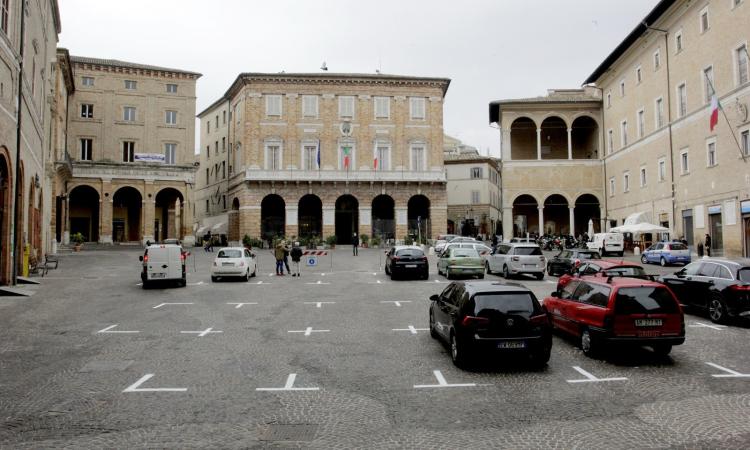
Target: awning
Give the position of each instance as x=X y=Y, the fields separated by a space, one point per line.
x=219 y=228
x=201 y=230
x=640 y=228
x=636 y=218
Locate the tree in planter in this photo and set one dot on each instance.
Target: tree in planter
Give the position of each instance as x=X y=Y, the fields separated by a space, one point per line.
x=77 y=239
x=375 y=242
x=408 y=240
x=331 y=241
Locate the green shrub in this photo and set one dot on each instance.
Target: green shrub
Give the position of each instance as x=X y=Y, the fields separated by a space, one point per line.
x=365 y=239
x=331 y=240
x=77 y=238
x=408 y=240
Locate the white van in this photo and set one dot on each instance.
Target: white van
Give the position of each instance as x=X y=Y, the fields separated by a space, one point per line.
x=608 y=243
x=163 y=262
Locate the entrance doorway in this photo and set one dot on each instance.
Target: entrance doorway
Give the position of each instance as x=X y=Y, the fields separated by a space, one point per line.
x=418 y=215
x=5 y=212
x=717 y=237
x=347 y=219
x=169 y=214
x=84 y=212
x=127 y=204
x=272 y=217
x=687 y=227
x=383 y=223
x=310 y=216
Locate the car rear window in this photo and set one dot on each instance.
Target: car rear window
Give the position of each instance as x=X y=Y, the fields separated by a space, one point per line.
x=593 y=294
x=744 y=275
x=626 y=271
x=677 y=246
x=530 y=251
x=644 y=300
x=410 y=252
x=588 y=255
x=465 y=253
x=506 y=303
x=229 y=254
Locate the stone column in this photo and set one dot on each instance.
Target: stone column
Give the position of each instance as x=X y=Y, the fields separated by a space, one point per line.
x=105 y=220
x=541 y=219
x=66 y=231
x=507 y=223
x=539 y=143
x=171 y=223
x=402 y=224
x=438 y=220
x=291 y=225
x=365 y=221
x=148 y=214
x=570 y=143
x=250 y=221
x=603 y=222
x=505 y=142
x=186 y=223
x=572 y=218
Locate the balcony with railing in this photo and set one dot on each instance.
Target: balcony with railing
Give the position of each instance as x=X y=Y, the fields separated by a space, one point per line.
x=432 y=176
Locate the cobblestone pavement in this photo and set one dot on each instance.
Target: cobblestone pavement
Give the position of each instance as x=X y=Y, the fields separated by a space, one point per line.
x=66 y=383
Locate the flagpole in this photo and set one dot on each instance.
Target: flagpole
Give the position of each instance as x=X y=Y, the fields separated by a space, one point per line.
x=724 y=113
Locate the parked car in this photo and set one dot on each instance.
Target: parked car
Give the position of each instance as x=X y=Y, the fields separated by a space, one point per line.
x=567 y=260
x=717 y=286
x=666 y=253
x=172 y=241
x=483 y=317
x=606 y=243
x=446 y=237
x=163 y=262
x=405 y=260
x=522 y=240
x=234 y=262
x=484 y=251
x=516 y=259
x=460 y=261
x=604 y=267
x=617 y=310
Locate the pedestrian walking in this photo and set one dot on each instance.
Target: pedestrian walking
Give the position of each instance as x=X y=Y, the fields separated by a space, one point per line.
x=279 y=255
x=287 y=249
x=355 y=244
x=708 y=245
x=296 y=257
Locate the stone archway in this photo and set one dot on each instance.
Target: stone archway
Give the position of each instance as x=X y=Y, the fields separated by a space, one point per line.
x=525 y=215
x=418 y=216
x=554 y=138
x=523 y=139
x=556 y=215
x=587 y=207
x=5 y=215
x=272 y=217
x=310 y=216
x=83 y=212
x=383 y=217
x=127 y=206
x=233 y=227
x=169 y=217
x=346 y=219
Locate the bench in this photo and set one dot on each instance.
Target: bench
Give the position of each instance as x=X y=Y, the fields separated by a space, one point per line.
x=49 y=260
x=36 y=267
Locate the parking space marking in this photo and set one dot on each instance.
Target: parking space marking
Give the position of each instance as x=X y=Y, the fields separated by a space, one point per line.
x=375 y=282
x=201 y=333
x=289 y=386
x=261 y=282
x=240 y=305
x=442 y=383
x=729 y=372
x=319 y=304
x=166 y=304
x=410 y=329
x=195 y=284
x=109 y=328
x=435 y=281
x=590 y=378
x=707 y=325
x=307 y=331
x=396 y=302
x=135 y=386
x=318 y=283
x=549 y=282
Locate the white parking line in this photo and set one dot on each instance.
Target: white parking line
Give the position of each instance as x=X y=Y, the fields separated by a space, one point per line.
x=134 y=387
x=396 y=302
x=201 y=333
x=307 y=331
x=375 y=282
x=442 y=383
x=706 y=325
x=318 y=283
x=319 y=304
x=730 y=373
x=166 y=304
x=107 y=330
x=410 y=329
x=240 y=305
x=591 y=378
x=261 y=282
x=289 y=386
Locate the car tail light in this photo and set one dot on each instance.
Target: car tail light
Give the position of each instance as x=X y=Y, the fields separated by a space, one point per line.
x=145 y=258
x=424 y=258
x=578 y=262
x=474 y=321
x=740 y=287
x=182 y=257
x=516 y=258
x=395 y=258
x=539 y=320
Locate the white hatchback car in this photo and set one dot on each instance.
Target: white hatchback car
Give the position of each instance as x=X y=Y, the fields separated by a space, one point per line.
x=234 y=262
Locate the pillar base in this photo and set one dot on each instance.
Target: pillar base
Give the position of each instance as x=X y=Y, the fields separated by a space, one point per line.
x=66 y=237
x=106 y=239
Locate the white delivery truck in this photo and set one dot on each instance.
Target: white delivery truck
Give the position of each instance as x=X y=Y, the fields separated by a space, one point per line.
x=163 y=262
x=608 y=243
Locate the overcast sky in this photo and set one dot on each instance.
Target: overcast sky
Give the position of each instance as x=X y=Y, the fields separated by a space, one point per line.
x=490 y=49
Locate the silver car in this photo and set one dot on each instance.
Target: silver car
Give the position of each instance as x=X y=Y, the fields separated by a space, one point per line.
x=516 y=259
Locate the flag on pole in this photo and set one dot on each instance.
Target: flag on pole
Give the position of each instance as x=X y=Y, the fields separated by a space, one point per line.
x=318 y=157
x=375 y=160
x=714 y=112
x=347 y=151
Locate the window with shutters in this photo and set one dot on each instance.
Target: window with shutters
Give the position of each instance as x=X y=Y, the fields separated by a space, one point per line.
x=87 y=81
x=638 y=75
x=273 y=105
x=273 y=156
x=684 y=162
x=476 y=173
x=678 y=44
x=171 y=88
x=662 y=164
x=610 y=141
x=657 y=60
x=704 y=20
x=87 y=111
x=609 y=99
x=4 y=15
x=682 y=100
x=382 y=107
x=130 y=85
x=711 y=153
x=417 y=158
x=475 y=198
x=86 y=148
x=622 y=88
x=128 y=114
x=643 y=176
x=170 y=153
x=417 y=108
x=310 y=157
x=659 y=112
x=624 y=133
x=641 y=123
x=310 y=106
x=612 y=187
x=223 y=144
x=346 y=107
x=128 y=151
x=745 y=142
x=383 y=157
x=626 y=182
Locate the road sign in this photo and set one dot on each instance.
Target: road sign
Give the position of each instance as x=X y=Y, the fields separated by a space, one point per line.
x=312 y=260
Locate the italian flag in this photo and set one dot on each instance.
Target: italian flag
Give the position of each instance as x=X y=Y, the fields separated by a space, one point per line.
x=375 y=161
x=347 y=154
x=714 y=112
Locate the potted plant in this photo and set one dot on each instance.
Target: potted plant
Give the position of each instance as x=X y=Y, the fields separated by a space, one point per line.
x=365 y=240
x=408 y=240
x=77 y=239
x=375 y=242
x=331 y=241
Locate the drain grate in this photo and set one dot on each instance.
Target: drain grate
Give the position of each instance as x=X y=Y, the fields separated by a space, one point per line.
x=287 y=432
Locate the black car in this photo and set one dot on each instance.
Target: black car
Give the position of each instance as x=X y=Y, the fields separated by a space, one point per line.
x=567 y=260
x=486 y=317
x=718 y=286
x=406 y=260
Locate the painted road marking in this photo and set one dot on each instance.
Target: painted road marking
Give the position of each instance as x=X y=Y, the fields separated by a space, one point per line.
x=410 y=329
x=549 y=282
x=261 y=282
x=591 y=378
x=201 y=333
x=240 y=305
x=318 y=282
x=435 y=281
x=289 y=386
x=307 y=331
x=319 y=304
x=706 y=325
x=107 y=330
x=375 y=282
x=166 y=304
x=442 y=383
x=730 y=373
x=396 y=302
x=134 y=387
x=195 y=284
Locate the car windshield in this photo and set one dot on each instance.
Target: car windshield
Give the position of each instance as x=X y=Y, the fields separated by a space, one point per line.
x=229 y=254
x=465 y=253
x=644 y=300
x=589 y=255
x=626 y=271
x=744 y=274
x=410 y=252
x=506 y=303
x=677 y=246
x=532 y=251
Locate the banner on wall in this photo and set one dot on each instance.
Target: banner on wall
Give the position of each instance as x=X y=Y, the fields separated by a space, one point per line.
x=149 y=157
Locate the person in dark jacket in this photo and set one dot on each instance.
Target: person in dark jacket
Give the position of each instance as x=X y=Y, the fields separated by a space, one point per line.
x=296 y=254
x=708 y=245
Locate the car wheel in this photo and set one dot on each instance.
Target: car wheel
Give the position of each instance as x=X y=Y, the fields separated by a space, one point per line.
x=644 y=260
x=387 y=271
x=457 y=352
x=589 y=345
x=433 y=331
x=214 y=279
x=448 y=273
x=663 y=262
x=247 y=275
x=481 y=276
x=540 y=276
x=255 y=271
x=146 y=285
x=717 y=309
x=662 y=349
x=622 y=254
x=506 y=272
x=487 y=268
x=183 y=282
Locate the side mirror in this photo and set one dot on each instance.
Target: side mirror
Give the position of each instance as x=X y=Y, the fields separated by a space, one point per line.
x=555 y=294
x=140 y=258
x=434 y=297
x=680 y=274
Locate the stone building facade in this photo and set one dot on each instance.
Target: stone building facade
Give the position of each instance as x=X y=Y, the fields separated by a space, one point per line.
x=127 y=167
x=332 y=154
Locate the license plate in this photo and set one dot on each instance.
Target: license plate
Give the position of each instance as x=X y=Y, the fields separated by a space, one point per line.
x=511 y=344
x=227 y=264
x=648 y=322
x=529 y=265
x=411 y=266
x=158 y=275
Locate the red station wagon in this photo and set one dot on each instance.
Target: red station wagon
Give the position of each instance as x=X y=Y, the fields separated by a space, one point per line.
x=603 y=310
x=604 y=267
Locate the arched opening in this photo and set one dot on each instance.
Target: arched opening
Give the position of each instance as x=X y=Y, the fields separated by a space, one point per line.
x=556 y=215
x=272 y=217
x=233 y=227
x=418 y=215
x=310 y=216
x=525 y=215
x=554 y=138
x=523 y=139
x=587 y=207
x=347 y=219
x=585 y=138
x=19 y=219
x=5 y=214
x=84 y=212
x=127 y=204
x=168 y=214
x=32 y=220
x=383 y=217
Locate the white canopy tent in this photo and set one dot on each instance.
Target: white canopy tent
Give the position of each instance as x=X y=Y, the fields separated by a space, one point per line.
x=640 y=228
